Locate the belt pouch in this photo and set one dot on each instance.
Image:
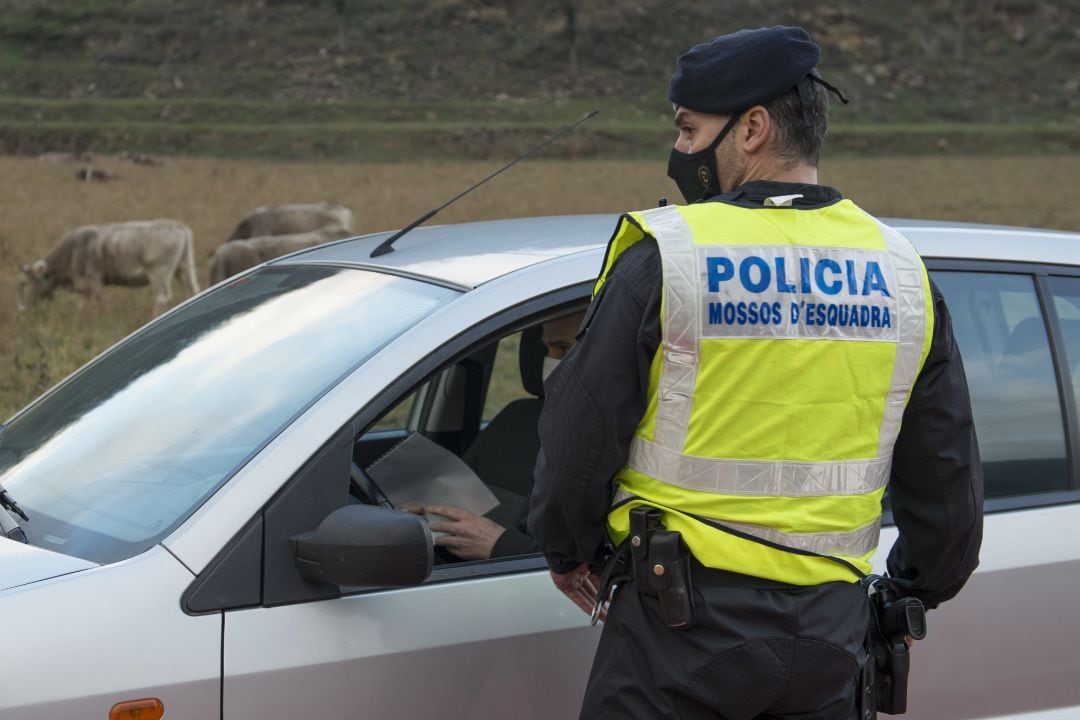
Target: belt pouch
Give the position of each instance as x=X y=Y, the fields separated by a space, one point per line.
x=669 y=577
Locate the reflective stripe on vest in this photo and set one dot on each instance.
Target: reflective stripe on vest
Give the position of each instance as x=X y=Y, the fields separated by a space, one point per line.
x=759 y=477
x=856 y=543
x=851 y=280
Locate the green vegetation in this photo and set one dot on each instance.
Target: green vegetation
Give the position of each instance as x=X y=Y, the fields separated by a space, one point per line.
x=379 y=142
x=388 y=131
x=961 y=109
x=405 y=79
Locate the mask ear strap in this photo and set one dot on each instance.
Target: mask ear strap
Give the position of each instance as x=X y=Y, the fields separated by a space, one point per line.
x=726 y=129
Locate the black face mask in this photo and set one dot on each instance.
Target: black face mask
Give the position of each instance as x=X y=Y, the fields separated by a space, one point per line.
x=695 y=173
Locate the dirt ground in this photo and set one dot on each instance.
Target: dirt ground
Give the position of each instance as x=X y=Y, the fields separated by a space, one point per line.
x=41 y=199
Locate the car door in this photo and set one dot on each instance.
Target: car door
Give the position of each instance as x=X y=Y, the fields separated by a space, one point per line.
x=477 y=640
x=1006 y=644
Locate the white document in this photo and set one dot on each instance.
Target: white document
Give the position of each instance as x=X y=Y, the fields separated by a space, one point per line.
x=422 y=471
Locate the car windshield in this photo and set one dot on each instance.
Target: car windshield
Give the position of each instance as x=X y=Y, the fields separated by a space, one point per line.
x=117 y=456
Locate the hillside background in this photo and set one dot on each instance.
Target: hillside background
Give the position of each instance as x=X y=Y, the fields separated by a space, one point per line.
x=388 y=79
x=200 y=110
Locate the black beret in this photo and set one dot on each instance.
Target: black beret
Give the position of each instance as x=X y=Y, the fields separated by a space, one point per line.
x=734 y=72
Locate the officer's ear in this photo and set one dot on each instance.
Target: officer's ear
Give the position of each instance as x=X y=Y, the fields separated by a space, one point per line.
x=754 y=130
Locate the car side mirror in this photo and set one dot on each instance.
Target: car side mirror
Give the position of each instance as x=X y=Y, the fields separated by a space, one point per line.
x=366 y=546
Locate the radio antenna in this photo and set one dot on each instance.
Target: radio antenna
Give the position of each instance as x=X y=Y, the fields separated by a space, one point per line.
x=388 y=244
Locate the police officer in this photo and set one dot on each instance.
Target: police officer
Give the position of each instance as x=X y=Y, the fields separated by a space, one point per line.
x=755 y=367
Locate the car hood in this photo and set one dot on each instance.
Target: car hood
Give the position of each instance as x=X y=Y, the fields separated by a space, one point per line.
x=22 y=564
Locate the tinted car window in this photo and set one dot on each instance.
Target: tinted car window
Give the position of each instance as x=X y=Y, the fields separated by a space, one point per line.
x=116 y=457
x=1002 y=336
x=1067 y=304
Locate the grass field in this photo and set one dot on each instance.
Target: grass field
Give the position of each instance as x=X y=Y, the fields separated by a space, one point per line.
x=41 y=200
x=392 y=131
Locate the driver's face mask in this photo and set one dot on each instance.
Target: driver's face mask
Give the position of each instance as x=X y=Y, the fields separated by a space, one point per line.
x=550 y=364
x=695 y=173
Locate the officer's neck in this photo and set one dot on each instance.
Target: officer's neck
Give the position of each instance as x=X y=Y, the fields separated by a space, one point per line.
x=776 y=171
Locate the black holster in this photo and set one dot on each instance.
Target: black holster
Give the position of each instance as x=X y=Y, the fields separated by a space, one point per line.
x=867 y=700
x=661 y=566
x=891 y=662
x=892 y=620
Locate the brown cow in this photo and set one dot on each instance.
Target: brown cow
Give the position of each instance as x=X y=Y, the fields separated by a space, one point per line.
x=129 y=253
x=293 y=219
x=237 y=255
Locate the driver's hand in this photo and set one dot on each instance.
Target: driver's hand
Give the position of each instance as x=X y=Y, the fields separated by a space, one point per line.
x=469 y=536
x=411 y=507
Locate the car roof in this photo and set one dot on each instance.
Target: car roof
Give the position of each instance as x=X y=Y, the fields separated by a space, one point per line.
x=975 y=241
x=467 y=255
x=470 y=254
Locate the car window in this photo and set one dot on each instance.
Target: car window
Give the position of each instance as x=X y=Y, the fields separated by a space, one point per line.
x=120 y=454
x=1002 y=337
x=447 y=411
x=1066 y=298
x=398 y=417
x=1066 y=292
x=505 y=384
x=483 y=408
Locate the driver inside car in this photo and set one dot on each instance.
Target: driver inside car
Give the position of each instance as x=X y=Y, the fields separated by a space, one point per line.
x=469 y=536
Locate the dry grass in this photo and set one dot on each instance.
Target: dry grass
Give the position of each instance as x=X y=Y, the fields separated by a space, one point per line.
x=42 y=200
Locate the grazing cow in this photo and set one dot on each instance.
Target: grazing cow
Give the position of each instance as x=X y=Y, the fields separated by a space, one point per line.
x=93 y=174
x=236 y=255
x=129 y=253
x=292 y=219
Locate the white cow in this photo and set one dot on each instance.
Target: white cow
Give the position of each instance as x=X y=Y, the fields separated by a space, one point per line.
x=128 y=253
x=292 y=219
x=236 y=255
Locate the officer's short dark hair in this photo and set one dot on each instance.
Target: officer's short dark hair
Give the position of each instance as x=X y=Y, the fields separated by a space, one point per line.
x=794 y=142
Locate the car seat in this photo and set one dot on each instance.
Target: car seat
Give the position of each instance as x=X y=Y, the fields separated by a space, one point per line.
x=504 y=453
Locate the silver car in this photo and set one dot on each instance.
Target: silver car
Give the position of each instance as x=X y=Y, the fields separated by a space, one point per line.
x=205 y=539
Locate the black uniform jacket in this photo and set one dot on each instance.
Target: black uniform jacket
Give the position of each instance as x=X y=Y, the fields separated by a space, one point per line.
x=596 y=398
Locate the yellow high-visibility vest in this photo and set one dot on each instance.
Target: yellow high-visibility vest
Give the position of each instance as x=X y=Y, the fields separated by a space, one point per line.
x=791 y=339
